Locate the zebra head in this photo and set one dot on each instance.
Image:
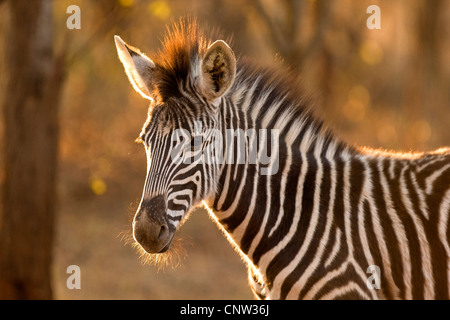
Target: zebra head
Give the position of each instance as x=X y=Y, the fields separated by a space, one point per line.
x=185 y=83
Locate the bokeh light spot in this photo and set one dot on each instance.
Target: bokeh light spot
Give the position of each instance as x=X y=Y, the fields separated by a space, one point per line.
x=356 y=107
x=371 y=52
x=421 y=131
x=126 y=3
x=360 y=94
x=160 y=9
x=386 y=133
x=98 y=186
x=354 y=110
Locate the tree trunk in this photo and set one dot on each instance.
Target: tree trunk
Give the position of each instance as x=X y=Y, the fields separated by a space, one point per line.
x=30 y=108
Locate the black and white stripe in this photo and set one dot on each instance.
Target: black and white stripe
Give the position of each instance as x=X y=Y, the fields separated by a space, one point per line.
x=312 y=229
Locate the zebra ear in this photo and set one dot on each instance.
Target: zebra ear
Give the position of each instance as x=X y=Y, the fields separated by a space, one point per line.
x=138 y=67
x=218 y=70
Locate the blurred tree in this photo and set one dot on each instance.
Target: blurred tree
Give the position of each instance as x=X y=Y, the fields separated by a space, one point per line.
x=284 y=28
x=296 y=31
x=30 y=109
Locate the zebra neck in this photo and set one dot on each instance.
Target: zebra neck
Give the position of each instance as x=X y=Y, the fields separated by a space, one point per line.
x=252 y=201
x=256 y=192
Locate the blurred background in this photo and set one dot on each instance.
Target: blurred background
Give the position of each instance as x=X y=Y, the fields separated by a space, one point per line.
x=69 y=193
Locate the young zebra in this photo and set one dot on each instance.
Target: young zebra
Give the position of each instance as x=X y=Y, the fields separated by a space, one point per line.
x=324 y=221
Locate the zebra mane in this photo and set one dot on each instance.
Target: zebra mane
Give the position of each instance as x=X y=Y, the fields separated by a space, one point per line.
x=182 y=46
x=185 y=43
x=282 y=86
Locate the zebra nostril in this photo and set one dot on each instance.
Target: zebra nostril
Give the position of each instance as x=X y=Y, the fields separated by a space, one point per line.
x=163 y=232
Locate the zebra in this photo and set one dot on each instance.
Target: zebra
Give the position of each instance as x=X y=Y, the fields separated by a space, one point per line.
x=315 y=228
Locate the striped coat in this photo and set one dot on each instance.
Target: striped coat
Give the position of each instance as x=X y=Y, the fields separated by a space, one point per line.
x=325 y=220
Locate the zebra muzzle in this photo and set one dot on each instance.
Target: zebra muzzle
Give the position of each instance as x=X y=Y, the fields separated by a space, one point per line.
x=150 y=228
